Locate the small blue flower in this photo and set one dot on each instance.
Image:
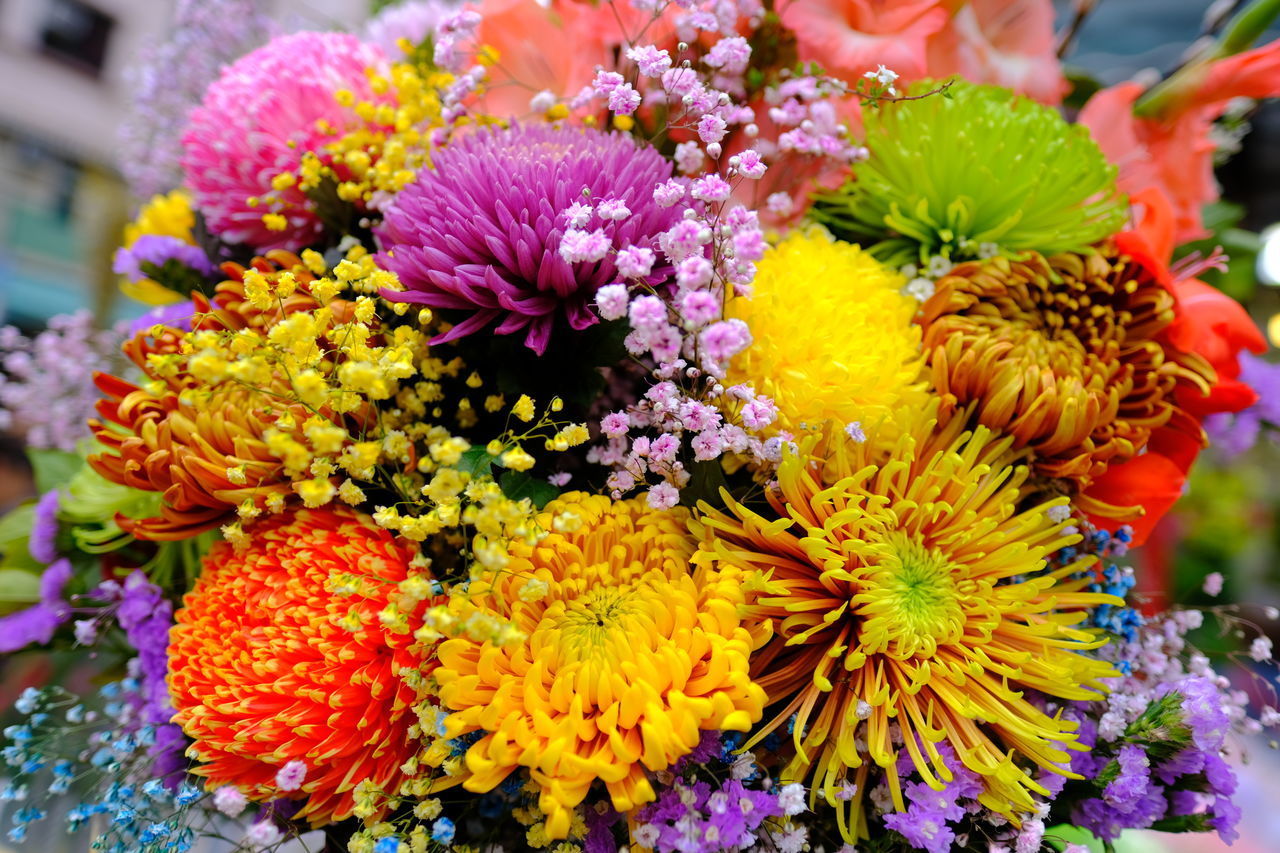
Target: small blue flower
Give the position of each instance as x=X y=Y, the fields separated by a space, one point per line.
x=390 y=844
x=27 y=701
x=188 y=794
x=442 y=830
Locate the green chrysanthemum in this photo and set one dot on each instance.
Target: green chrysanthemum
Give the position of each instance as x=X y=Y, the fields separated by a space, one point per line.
x=971 y=166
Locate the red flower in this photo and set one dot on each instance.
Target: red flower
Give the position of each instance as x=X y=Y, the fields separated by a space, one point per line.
x=1207 y=323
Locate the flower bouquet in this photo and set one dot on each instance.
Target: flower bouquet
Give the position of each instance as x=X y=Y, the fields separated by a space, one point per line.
x=706 y=425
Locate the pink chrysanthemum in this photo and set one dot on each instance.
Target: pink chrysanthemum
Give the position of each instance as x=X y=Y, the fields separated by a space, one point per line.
x=257 y=120
x=482 y=232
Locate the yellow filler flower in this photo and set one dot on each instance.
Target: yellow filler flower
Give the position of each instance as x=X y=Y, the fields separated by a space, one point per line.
x=903 y=585
x=627 y=657
x=832 y=335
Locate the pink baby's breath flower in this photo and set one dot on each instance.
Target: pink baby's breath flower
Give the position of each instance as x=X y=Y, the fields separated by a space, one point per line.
x=635 y=261
x=664 y=448
x=663 y=496
x=668 y=193
x=712 y=188
x=577 y=215
x=291 y=775
x=611 y=301
x=730 y=55
x=711 y=128
x=698 y=307
x=560 y=479
x=615 y=424
x=647 y=312
x=749 y=164
x=579 y=246
x=684 y=239
x=707 y=445
x=1213 y=584
x=689 y=157
x=229 y=800
x=651 y=61
x=613 y=209
x=624 y=100
x=693 y=272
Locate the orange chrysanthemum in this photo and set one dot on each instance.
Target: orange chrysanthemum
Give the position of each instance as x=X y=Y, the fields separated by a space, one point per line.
x=1064 y=354
x=262 y=673
x=187 y=447
x=903 y=588
x=627 y=658
x=203 y=448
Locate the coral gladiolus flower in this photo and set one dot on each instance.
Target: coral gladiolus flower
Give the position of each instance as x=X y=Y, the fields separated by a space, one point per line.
x=262 y=674
x=906 y=590
x=627 y=658
x=1172 y=151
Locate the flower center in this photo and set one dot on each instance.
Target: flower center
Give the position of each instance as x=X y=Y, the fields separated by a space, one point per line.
x=595 y=619
x=908 y=603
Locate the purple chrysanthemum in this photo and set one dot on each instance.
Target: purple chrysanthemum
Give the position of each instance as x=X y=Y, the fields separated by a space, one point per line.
x=481 y=232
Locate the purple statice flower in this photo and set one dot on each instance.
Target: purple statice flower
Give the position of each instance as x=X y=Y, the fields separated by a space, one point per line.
x=146 y=617
x=926 y=823
x=461 y=240
x=44 y=396
x=178 y=316
x=170 y=78
x=1203 y=711
x=1133 y=783
x=159 y=249
x=37 y=623
x=600 y=823
x=1234 y=434
x=44 y=528
x=689 y=818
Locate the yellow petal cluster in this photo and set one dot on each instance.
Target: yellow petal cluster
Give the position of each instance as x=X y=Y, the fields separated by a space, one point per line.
x=832 y=335
x=909 y=604
x=627 y=657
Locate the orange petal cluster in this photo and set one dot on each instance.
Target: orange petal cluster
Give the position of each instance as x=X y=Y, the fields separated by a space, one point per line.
x=1066 y=354
x=261 y=674
x=184 y=444
x=627 y=658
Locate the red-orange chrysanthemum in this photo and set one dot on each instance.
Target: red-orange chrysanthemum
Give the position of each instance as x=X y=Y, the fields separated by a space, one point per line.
x=262 y=673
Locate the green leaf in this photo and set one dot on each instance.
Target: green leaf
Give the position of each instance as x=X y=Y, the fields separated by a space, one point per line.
x=54 y=468
x=17 y=586
x=477 y=462
x=16 y=524
x=518 y=484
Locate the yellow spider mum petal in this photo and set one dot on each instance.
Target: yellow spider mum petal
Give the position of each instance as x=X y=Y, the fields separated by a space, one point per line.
x=832 y=334
x=626 y=658
x=905 y=592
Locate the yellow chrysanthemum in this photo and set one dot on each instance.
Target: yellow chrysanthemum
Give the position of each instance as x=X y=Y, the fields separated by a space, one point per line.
x=832 y=334
x=627 y=657
x=168 y=215
x=903 y=585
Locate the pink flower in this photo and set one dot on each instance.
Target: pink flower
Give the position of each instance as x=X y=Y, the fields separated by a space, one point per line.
x=850 y=37
x=615 y=424
x=1010 y=44
x=663 y=496
x=257 y=120
x=611 y=301
x=291 y=776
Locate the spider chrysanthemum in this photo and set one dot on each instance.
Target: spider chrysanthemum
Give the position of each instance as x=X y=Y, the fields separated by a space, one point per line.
x=832 y=335
x=1067 y=355
x=950 y=172
x=268 y=664
x=904 y=586
x=627 y=657
x=480 y=231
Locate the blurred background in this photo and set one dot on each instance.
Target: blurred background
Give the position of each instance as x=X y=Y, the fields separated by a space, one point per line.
x=67 y=66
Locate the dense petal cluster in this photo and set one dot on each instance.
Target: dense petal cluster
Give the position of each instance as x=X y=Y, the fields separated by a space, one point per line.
x=628 y=656
x=905 y=590
x=460 y=238
x=832 y=335
x=262 y=673
x=975 y=165
x=1067 y=355
x=256 y=122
